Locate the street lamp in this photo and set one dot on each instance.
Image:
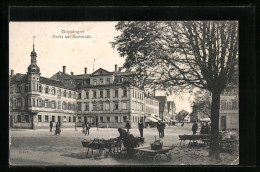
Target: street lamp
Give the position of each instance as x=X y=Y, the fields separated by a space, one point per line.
x=76 y=110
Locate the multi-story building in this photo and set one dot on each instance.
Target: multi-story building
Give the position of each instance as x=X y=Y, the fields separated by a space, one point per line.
x=105 y=100
x=101 y=98
x=229 y=111
x=36 y=100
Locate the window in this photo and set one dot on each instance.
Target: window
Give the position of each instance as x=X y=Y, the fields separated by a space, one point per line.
x=94 y=94
x=46 y=103
x=107 y=106
x=116 y=119
x=87 y=95
x=87 y=107
x=69 y=94
x=40 y=88
x=79 y=119
x=74 y=95
x=94 y=81
x=64 y=93
x=101 y=119
x=53 y=91
x=26 y=89
x=79 y=96
x=79 y=106
x=26 y=118
x=108 y=94
x=101 y=94
x=234 y=105
x=39 y=118
x=94 y=106
x=69 y=119
x=116 y=93
x=69 y=106
x=124 y=93
x=101 y=81
x=53 y=118
x=229 y=106
x=223 y=105
x=46 y=118
x=108 y=118
x=115 y=105
x=19 y=103
x=108 y=80
x=46 y=90
x=124 y=118
x=64 y=105
x=74 y=119
x=124 y=105
x=64 y=119
x=53 y=104
x=58 y=104
x=19 y=119
x=100 y=105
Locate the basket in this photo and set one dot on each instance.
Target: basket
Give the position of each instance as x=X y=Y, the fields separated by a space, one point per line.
x=157 y=145
x=85 y=143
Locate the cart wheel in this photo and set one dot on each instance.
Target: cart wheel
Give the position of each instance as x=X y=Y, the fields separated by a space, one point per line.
x=169 y=157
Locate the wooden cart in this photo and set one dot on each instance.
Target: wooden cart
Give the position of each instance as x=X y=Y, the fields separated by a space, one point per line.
x=156 y=155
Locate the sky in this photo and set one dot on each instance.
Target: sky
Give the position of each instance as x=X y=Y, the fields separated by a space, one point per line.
x=56 y=46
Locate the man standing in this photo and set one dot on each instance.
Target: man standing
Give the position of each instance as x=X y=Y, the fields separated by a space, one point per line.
x=141 y=127
x=87 y=128
x=127 y=126
x=57 y=129
x=51 y=125
x=159 y=127
x=194 y=128
x=162 y=128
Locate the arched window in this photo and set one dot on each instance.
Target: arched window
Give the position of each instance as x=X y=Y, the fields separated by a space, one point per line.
x=64 y=105
x=53 y=91
x=47 y=90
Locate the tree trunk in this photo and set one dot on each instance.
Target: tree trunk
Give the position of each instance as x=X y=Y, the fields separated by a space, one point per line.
x=214 y=135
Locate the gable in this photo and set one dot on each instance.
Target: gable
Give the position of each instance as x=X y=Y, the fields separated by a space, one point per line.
x=100 y=71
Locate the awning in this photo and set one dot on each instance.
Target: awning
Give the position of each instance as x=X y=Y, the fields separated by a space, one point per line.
x=150 y=119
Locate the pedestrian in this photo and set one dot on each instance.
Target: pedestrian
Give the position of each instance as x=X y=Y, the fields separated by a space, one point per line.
x=57 y=129
x=127 y=126
x=194 y=128
x=203 y=129
x=159 y=128
x=83 y=127
x=87 y=128
x=141 y=127
x=163 y=125
x=51 y=125
x=182 y=124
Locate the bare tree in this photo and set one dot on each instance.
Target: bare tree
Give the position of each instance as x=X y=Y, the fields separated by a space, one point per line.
x=182 y=55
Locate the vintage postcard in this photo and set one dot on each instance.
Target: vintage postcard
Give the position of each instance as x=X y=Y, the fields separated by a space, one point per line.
x=123 y=93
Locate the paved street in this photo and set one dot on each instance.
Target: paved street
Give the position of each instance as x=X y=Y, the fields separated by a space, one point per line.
x=41 y=147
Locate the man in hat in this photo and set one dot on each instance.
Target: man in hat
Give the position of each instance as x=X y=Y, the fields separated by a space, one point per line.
x=127 y=126
x=141 y=127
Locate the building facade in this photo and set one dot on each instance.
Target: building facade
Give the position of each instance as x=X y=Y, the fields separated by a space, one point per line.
x=36 y=100
x=102 y=98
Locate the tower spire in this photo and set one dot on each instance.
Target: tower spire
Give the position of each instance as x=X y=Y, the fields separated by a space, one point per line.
x=33 y=42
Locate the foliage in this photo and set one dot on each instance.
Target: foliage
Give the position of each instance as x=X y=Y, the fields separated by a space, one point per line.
x=181 y=115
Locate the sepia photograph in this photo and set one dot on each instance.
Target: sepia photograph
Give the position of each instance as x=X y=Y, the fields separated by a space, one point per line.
x=124 y=93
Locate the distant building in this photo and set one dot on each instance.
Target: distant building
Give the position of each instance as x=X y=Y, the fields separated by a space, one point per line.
x=163 y=106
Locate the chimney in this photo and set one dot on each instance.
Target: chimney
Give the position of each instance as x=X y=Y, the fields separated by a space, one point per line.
x=64 y=69
x=71 y=73
x=12 y=73
x=116 y=68
x=86 y=71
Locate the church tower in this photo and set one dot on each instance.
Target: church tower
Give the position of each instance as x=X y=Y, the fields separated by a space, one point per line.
x=33 y=73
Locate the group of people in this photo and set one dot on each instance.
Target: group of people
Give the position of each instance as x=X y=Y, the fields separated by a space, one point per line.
x=58 y=130
x=161 y=126
x=85 y=128
x=203 y=130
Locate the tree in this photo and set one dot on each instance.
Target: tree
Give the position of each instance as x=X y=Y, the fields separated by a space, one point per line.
x=182 y=55
x=181 y=115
